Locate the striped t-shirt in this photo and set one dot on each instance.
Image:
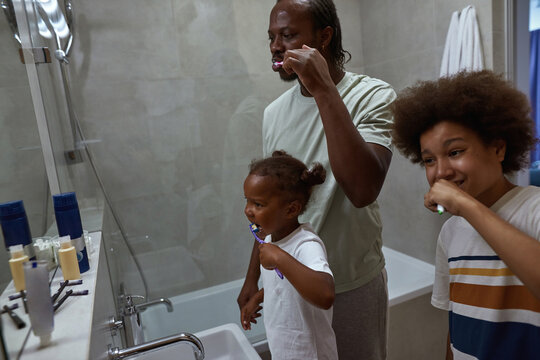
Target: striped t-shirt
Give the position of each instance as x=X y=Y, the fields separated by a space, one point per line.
x=492 y=315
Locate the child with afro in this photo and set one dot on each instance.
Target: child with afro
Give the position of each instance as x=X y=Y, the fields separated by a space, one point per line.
x=469 y=131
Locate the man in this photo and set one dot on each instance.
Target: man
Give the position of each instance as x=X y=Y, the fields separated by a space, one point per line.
x=342 y=120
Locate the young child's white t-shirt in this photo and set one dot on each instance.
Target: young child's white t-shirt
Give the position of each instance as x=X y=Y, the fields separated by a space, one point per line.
x=296 y=329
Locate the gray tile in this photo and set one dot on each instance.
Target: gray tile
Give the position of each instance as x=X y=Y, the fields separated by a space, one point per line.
x=407 y=225
x=171 y=95
x=126 y=39
x=405 y=71
x=392 y=29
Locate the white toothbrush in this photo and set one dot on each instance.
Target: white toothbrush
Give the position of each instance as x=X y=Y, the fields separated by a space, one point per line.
x=440 y=209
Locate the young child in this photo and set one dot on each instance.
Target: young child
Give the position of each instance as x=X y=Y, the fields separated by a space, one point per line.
x=468 y=131
x=297 y=308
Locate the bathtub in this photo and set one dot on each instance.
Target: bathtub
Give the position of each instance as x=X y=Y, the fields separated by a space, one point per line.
x=408 y=278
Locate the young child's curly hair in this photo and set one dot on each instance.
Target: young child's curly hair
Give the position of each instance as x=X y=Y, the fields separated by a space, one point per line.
x=481 y=101
x=291 y=175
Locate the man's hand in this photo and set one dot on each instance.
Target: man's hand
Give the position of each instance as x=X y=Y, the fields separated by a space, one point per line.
x=311 y=68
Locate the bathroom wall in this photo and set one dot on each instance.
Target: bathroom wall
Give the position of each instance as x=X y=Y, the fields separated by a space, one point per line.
x=403 y=42
x=163 y=89
x=171 y=95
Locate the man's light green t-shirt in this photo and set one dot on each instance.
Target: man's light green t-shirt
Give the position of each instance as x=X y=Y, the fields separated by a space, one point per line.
x=292 y=123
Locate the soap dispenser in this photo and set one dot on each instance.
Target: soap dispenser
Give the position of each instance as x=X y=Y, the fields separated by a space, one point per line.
x=68 y=221
x=15 y=226
x=68 y=259
x=18 y=257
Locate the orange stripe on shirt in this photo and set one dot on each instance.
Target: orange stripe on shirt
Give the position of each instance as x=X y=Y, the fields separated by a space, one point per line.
x=494 y=297
x=481 y=272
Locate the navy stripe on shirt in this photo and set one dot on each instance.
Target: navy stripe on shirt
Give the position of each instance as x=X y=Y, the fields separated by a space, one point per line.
x=479 y=257
x=494 y=340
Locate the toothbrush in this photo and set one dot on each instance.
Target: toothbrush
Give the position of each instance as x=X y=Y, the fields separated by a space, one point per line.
x=440 y=209
x=278 y=63
x=254 y=229
x=19 y=323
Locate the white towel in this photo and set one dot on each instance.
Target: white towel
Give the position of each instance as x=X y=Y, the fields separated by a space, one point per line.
x=463 y=48
x=450 y=60
x=471 y=48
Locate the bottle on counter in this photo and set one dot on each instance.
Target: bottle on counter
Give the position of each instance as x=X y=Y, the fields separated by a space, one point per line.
x=38 y=298
x=15 y=227
x=68 y=221
x=18 y=257
x=67 y=255
x=43 y=249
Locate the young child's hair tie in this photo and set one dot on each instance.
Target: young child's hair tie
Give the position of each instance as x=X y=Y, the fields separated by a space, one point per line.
x=314 y=176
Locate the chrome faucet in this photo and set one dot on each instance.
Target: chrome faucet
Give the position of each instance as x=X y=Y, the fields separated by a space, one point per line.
x=131 y=320
x=195 y=342
x=164 y=301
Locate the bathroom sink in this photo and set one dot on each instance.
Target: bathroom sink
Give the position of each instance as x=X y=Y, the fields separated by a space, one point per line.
x=224 y=342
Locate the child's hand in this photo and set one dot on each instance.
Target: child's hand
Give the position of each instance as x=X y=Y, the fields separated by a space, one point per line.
x=269 y=255
x=248 y=290
x=250 y=312
x=447 y=194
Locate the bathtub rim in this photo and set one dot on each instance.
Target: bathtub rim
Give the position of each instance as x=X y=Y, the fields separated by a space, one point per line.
x=419 y=275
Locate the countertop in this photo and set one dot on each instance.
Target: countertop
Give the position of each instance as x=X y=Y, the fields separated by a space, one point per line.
x=72 y=321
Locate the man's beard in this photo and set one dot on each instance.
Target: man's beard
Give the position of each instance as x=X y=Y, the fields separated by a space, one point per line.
x=288 y=77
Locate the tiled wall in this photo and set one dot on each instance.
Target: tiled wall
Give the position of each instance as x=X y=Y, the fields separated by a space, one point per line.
x=170 y=95
x=403 y=42
x=173 y=91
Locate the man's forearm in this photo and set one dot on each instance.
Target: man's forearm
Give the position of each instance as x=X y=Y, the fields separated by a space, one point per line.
x=359 y=167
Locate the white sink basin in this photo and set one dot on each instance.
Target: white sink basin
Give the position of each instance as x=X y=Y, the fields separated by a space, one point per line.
x=225 y=342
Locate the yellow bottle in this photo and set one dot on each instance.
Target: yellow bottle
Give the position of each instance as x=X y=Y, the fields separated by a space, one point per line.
x=68 y=259
x=16 y=265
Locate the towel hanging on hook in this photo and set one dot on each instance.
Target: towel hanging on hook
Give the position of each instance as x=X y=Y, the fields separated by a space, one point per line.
x=463 y=47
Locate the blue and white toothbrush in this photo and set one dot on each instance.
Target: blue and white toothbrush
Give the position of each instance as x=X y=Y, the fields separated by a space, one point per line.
x=254 y=229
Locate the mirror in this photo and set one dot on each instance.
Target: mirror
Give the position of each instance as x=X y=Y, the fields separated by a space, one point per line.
x=23 y=176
